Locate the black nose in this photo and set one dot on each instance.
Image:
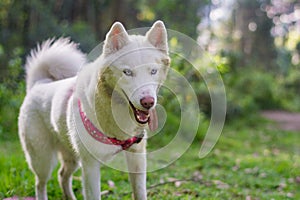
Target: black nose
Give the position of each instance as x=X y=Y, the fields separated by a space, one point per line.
x=147 y=102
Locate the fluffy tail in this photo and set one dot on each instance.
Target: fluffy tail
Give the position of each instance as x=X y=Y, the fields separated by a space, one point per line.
x=53 y=60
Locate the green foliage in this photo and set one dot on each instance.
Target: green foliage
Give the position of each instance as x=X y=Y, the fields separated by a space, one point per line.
x=290 y=92
x=173 y=13
x=249 y=90
x=12 y=91
x=78 y=32
x=253 y=89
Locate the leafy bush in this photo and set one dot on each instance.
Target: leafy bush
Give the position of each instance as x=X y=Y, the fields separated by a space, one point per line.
x=249 y=90
x=12 y=91
x=290 y=95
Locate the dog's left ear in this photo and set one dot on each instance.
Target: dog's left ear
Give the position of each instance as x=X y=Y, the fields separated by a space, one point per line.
x=116 y=38
x=157 y=36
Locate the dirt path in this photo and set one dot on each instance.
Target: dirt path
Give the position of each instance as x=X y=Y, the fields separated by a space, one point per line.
x=286 y=120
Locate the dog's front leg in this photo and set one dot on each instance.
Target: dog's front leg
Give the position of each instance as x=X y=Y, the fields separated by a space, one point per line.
x=91 y=178
x=136 y=162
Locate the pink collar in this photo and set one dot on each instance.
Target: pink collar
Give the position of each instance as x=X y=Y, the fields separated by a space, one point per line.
x=99 y=136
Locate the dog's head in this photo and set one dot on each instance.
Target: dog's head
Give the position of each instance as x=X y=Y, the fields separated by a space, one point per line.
x=136 y=67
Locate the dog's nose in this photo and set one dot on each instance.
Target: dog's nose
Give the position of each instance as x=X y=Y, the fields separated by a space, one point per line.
x=147 y=102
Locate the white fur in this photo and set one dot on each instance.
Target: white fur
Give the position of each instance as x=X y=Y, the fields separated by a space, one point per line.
x=47 y=116
x=53 y=61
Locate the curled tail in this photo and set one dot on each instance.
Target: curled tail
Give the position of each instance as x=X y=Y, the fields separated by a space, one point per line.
x=53 y=60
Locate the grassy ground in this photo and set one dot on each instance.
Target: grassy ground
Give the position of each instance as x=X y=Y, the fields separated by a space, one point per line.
x=252 y=160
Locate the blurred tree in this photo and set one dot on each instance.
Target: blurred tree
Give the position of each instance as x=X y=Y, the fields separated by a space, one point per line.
x=261 y=33
x=259 y=42
x=179 y=15
x=23 y=23
x=254 y=27
x=285 y=16
x=240 y=30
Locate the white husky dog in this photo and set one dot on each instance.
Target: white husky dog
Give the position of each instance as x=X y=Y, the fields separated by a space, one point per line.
x=131 y=68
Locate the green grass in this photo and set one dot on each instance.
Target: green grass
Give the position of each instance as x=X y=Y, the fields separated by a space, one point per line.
x=252 y=160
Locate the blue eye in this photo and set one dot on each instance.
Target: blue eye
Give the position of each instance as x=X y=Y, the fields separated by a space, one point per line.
x=127 y=72
x=153 y=71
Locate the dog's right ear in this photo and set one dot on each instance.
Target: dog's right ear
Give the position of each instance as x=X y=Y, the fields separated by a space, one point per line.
x=116 y=38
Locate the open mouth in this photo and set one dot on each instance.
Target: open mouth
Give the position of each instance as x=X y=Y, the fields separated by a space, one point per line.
x=141 y=116
x=144 y=116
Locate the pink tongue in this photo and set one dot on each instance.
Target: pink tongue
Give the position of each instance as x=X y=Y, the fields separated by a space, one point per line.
x=153 y=121
x=143 y=116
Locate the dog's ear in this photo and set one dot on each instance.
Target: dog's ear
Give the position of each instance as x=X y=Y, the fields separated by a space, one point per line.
x=157 y=36
x=116 y=38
